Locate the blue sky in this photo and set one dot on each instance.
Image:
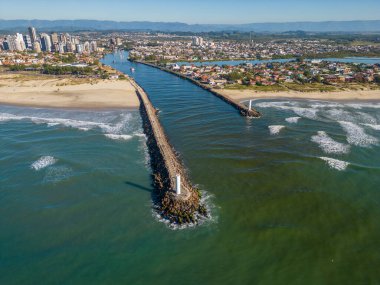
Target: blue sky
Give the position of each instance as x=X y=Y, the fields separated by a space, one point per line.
x=193 y=11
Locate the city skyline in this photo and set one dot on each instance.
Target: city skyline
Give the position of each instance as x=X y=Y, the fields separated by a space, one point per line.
x=196 y=12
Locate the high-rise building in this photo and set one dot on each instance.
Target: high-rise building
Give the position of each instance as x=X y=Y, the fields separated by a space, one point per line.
x=70 y=47
x=32 y=34
x=93 y=46
x=197 y=41
x=6 y=44
x=28 y=42
x=61 y=48
x=79 y=48
x=54 y=38
x=15 y=42
x=86 y=47
x=119 y=42
x=46 y=42
x=62 y=38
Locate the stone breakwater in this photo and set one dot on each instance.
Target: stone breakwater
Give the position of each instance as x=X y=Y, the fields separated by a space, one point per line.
x=244 y=111
x=185 y=207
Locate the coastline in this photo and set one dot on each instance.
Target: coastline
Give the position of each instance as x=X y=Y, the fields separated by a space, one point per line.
x=350 y=95
x=64 y=93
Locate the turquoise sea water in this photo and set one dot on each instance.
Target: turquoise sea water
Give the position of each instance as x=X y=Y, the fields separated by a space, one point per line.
x=294 y=195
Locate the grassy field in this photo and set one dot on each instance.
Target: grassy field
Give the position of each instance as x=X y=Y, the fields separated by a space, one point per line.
x=273 y=88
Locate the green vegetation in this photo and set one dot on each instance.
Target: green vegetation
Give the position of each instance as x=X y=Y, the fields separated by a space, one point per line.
x=150 y=58
x=233 y=76
x=69 y=58
x=306 y=87
x=19 y=67
x=62 y=70
x=270 y=88
x=309 y=87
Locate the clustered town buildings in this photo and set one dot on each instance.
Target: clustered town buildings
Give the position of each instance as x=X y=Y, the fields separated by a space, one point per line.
x=43 y=48
x=199 y=49
x=272 y=73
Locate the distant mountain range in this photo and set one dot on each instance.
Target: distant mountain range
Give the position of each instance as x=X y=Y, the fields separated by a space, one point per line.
x=94 y=25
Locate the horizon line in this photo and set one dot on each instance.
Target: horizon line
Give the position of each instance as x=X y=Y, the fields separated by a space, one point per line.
x=147 y=21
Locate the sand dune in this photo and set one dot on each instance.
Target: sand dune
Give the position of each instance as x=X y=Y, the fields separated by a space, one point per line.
x=67 y=92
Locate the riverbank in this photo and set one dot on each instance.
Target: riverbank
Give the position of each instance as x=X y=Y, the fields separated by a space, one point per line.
x=363 y=95
x=66 y=92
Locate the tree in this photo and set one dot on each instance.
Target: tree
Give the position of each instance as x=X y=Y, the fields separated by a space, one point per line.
x=233 y=76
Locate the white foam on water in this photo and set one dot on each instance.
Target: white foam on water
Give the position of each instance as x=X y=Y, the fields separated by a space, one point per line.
x=339 y=115
x=141 y=135
x=43 y=162
x=57 y=174
x=329 y=145
x=78 y=124
x=52 y=124
x=275 y=104
x=359 y=106
x=365 y=118
x=293 y=120
x=324 y=105
x=119 y=137
x=275 y=130
x=5 y=117
x=373 y=126
x=206 y=201
x=356 y=135
x=335 y=163
x=309 y=113
x=116 y=130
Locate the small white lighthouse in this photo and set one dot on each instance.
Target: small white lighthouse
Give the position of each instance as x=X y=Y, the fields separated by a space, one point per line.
x=178 y=184
x=250 y=105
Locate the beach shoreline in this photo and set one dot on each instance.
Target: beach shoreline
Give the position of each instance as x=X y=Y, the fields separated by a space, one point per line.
x=50 y=92
x=351 y=95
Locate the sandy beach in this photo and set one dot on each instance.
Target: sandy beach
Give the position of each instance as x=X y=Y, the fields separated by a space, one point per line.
x=241 y=95
x=46 y=91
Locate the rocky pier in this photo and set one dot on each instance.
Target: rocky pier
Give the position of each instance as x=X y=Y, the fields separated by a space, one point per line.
x=180 y=208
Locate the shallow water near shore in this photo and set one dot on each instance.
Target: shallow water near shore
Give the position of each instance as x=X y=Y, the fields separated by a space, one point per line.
x=294 y=194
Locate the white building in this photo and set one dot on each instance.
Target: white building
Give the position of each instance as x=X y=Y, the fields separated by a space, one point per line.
x=197 y=41
x=46 y=42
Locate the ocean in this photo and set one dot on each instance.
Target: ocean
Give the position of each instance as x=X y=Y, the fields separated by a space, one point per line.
x=294 y=195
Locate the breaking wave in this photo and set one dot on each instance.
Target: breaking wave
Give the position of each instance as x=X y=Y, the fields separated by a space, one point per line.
x=119 y=137
x=117 y=126
x=309 y=113
x=43 y=162
x=357 y=136
x=335 y=163
x=293 y=120
x=275 y=130
x=328 y=145
x=373 y=126
x=211 y=217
